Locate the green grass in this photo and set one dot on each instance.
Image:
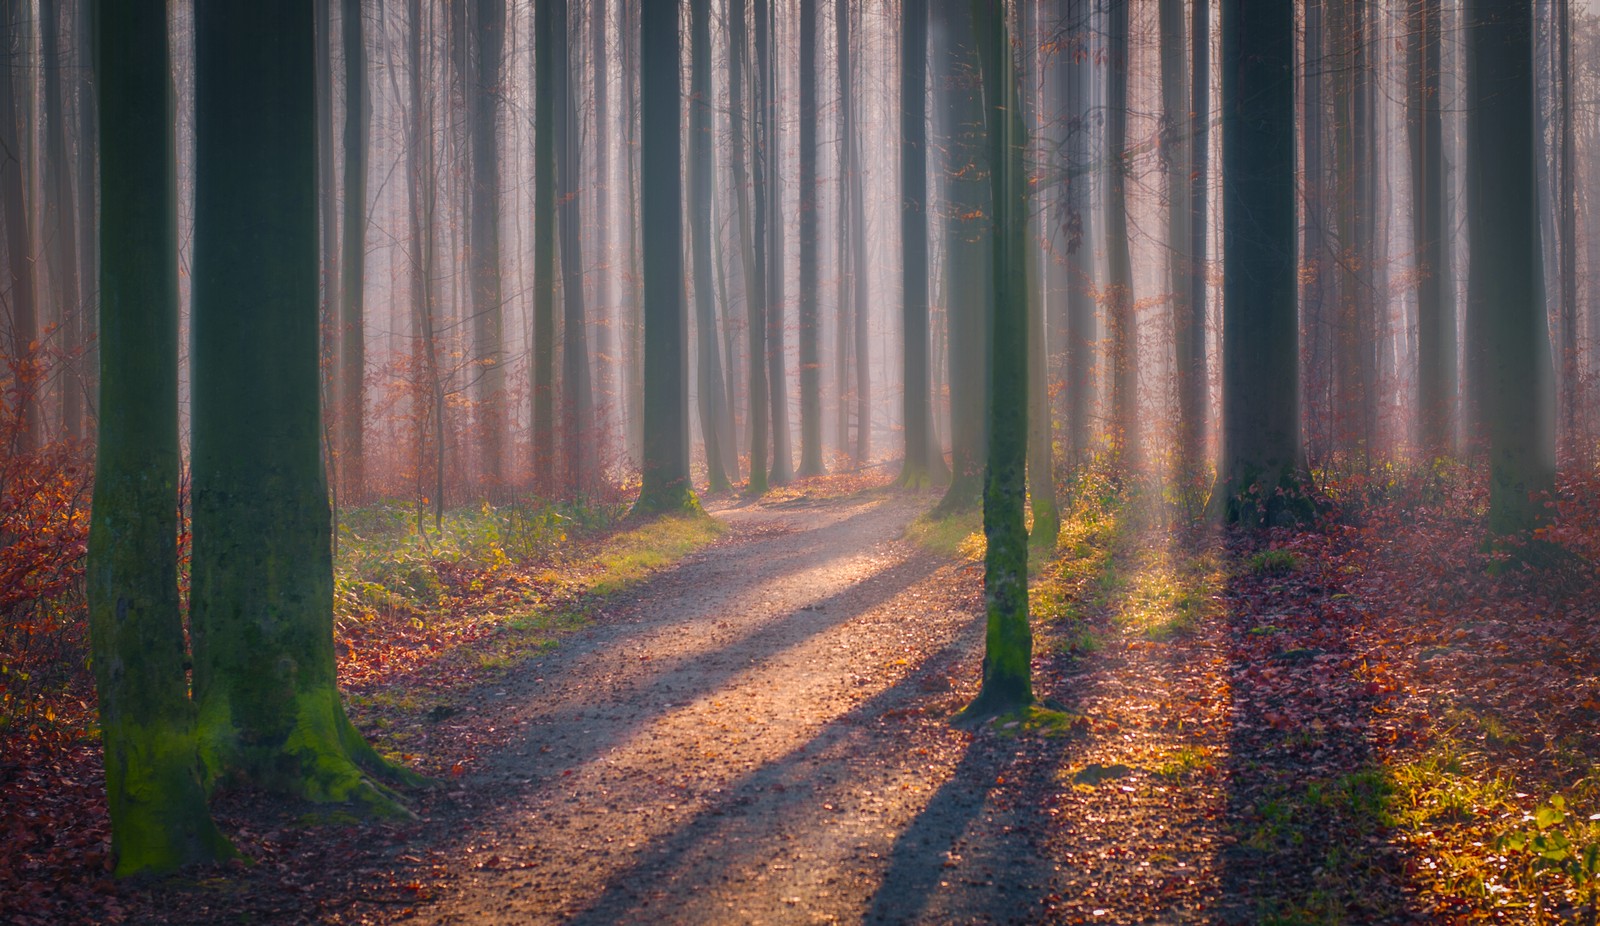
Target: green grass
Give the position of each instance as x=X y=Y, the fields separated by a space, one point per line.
x=633 y=555
x=956 y=536
x=1272 y=563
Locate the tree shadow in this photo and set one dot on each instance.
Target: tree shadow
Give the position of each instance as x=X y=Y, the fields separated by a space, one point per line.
x=1310 y=832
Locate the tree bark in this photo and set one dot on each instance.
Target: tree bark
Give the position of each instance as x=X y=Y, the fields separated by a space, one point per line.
x=1260 y=362
x=159 y=818
x=262 y=600
x=352 y=309
x=1503 y=287
x=810 y=320
x=1436 y=322
x=666 y=449
x=544 y=261
x=701 y=193
x=1008 y=644
x=919 y=468
x=1124 y=355
x=750 y=234
x=60 y=227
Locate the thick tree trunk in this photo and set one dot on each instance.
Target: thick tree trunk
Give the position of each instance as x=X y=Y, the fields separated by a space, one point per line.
x=701 y=193
x=1260 y=363
x=19 y=269
x=352 y=309
x=1503 y=288
x=262 y=600
x=1008 y=644
x=159 y=818
x=666 y=448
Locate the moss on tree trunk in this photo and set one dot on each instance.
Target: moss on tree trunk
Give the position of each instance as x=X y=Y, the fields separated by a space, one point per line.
x=1008 y=645
x=262 y=588
x=159 y=819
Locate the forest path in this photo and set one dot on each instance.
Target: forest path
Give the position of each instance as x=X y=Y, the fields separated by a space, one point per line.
x=715 y=749
x=761 y=734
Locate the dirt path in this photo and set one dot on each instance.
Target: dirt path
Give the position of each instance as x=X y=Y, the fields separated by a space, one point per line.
x=713 y=752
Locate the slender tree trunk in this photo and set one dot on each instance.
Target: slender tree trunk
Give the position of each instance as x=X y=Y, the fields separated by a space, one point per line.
x=483 y=83
x=1041 y=428
x=770 y=188
x=605 y=385
x=1080 y=335
x=1321 y=265
x=666 y=447
x=810 y=320
x=1008 y=644
x=701 y=194
x=60 y=226
x=1124 y=356
x=1503 y=277
x=632 y=321
x=20 y=264
x=262 y=601
x=159 y=818
x=88 y=217
x=918 y=469
x=842 y=341
x=1188 y=330
x=1195 y=360
x=858 y=262
x=352 y=310
x=1567 y=235
x=544 y=262
x=1260 y=364
x=577 y=399
x=967 y=275
x=1436 y=323
x=328 y=219
x=750 y=233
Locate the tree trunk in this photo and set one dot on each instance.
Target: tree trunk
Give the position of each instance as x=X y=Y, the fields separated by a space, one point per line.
x=1260 y=364
x=769 y=202
x=19 y=267
x=60 y=227
x=810 y=321
x=544 y=261
x=1188 y=328
x=1436 y=323
x=1321 y=266
x=1199 y=158
x=842 y=341
x=1124 y=355
x=1567 y=234
x=701 y=193
x=1008 y=644
x=858 y=262
x=1080 y=334
x=1503 y=287
x=262 y=600
x=666 y=413
x=1041 y=428
x=750 y=232
x=483 y=83
x=577 y=398
x=968 y=254
x=352 y=310
x=918 y=469
x=159 y=818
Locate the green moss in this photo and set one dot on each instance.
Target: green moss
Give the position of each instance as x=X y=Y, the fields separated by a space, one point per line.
x=957 y=535
x=656 y=543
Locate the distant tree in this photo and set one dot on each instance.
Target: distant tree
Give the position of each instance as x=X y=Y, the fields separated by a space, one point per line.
x=544 y=253
x=159 y=818
x=1079 y=335
x=577 y=398
x=1355 y=347
x=968 y=250
x=666 y=415
x=751 y=234
x=923 y=464
x=352 y=310
x=1503 y=287
x=60 y=236
x=21 y=292
x=1008 y=646
x=769 y=203
x=1261 y=454
x=488 y=35
x=862 y=349
x=261 y=605
x=810 y=320
x=701 y=194
x=1193 y=359
x=1124 y=354
x=1188 y=327
x=1041 y=426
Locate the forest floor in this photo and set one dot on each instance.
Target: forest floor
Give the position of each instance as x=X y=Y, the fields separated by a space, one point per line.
x=1371 y=721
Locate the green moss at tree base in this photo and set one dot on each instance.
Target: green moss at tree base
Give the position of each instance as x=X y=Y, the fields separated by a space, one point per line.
x=153 y=785
x=668 y=500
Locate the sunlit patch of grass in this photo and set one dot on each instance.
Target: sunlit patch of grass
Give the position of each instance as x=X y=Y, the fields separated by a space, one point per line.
x=1182 y=761
x=634 y=554
x=1169 y=594
x=1272 y=563
x=1039 y=719
x=956 y=536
